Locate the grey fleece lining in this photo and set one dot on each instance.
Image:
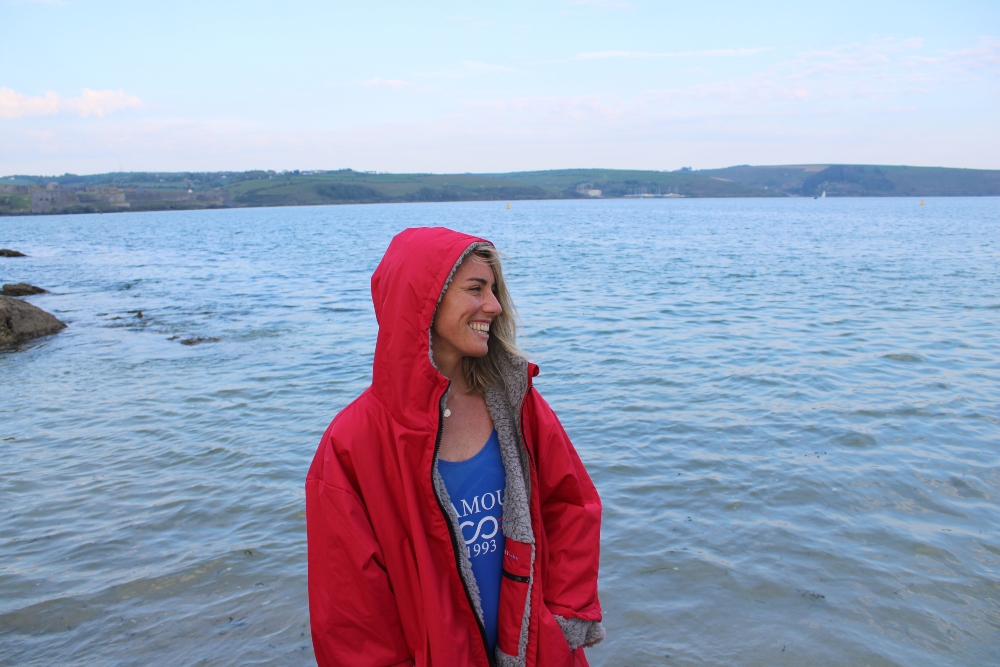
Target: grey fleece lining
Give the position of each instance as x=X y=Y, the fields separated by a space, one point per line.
x=516 y=510
x=465 y=565
x=504 y=660
x=579 y=632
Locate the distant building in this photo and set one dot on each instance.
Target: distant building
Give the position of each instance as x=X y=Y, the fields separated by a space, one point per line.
x=52 y=199
x=592 y=193
x=107 y=197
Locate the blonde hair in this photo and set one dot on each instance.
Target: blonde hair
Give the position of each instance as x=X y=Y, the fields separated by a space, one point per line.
x=486 y=371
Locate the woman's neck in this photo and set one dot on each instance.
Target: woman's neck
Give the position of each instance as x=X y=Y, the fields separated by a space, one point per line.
x=450 y=364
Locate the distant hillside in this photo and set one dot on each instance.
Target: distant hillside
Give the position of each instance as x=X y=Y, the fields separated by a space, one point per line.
x=626 y=183
x=146 y=191
x=843 y=180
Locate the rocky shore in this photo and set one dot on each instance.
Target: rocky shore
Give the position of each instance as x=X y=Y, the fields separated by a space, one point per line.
x=21 y=289
x=20 y=322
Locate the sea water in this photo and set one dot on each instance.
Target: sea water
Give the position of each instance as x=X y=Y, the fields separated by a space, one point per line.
x=789 y=407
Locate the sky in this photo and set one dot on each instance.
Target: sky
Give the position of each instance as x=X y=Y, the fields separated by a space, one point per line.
x=90 y=86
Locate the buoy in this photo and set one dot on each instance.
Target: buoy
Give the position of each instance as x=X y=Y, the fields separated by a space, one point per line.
x=921 y=203
x=508 y=205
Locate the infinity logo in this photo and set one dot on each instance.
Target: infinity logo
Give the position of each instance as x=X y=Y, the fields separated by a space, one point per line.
x=479 y=529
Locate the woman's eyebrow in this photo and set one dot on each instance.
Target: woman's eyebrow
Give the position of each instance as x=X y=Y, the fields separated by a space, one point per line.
x=481 y=281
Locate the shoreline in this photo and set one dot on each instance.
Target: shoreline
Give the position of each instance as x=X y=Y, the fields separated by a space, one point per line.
x=460 y=201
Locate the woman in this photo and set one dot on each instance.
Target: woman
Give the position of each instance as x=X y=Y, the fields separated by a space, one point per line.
x=411 y=561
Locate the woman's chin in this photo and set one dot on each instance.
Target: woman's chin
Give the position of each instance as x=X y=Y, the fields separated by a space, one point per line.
x=477 y=350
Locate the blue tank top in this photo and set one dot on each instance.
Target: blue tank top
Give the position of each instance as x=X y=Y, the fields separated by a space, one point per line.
x=477 y=487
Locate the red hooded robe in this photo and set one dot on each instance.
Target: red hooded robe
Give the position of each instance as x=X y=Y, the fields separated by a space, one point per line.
x=389 y=578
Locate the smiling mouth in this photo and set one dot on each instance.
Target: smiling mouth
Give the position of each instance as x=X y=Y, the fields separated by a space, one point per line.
x=481 y=327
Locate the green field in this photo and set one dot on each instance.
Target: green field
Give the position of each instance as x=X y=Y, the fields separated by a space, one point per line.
x=13 y=204
x=193 y=190
x=362 y=188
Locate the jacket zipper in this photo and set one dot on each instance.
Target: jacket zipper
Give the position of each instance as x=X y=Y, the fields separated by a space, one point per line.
x=454 y=542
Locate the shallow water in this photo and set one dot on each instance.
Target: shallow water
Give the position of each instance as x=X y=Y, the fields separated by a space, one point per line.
x=790 y=408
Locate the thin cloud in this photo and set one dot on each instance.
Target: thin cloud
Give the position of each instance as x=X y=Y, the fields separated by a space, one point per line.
x=469 y=68
x=556 y=109
x=876 y=77
x=475 y=67
x=396 y=84
x=985 y=55
x=882 y=66
x=709 y=53
x=875 y=50
x=604 y=4
x=470 y=20
x=14 y=105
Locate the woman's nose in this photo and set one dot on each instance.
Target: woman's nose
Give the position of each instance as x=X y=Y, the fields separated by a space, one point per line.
x=492 y=305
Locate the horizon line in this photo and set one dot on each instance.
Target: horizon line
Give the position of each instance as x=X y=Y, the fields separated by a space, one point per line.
x=487 y=173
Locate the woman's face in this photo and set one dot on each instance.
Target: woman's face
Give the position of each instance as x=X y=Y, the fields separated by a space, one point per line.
x=462 y=322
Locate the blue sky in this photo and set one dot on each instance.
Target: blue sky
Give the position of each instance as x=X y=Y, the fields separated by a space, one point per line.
x=91 y=86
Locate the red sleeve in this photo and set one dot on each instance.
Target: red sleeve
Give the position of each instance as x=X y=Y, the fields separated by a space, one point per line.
x=571 y=516
x=352 y=609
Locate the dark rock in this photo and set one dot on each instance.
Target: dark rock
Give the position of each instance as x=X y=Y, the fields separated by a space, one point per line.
x=199 y=340
x=22 y=289
x=20 y=322
x=7 y=252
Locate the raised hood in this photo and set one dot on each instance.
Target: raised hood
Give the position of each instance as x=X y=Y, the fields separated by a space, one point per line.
x=406 y=288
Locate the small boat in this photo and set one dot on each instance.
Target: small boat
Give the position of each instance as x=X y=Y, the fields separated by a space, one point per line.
x=823 y=196
x=508 y=206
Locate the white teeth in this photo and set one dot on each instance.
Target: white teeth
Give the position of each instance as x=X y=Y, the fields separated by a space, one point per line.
x=479 y=326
